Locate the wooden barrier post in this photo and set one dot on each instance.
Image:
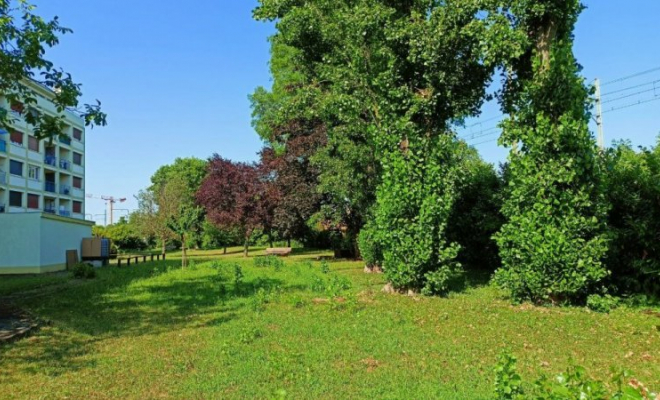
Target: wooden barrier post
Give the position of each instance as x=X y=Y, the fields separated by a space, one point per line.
x=128 y=262
x=144 y=258
x=119 y=263
x=152 y=258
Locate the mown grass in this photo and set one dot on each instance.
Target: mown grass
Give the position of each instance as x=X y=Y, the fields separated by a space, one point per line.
x=155 y=330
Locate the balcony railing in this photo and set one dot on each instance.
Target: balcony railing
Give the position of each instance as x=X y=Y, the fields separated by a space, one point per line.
x=3 y=177
x=65 y=213
x=50 y=160
x=50 y=187
x=65 y=164
x=65 y=189
x=50 y=210
x=65 y=140
x=3 y=146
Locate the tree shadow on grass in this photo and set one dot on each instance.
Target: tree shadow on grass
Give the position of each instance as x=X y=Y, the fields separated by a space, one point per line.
x=145 y=299
x=471 y=279
x=51 y=352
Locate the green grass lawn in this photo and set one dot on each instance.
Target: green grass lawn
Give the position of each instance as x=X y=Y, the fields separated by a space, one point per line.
x=156 y=331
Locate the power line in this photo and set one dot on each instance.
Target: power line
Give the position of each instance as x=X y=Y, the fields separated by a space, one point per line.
x=484 y=142
x=483 y=132
x=631 y=87
x=482 y=135
x=625 y=78
x=485 y=120
x=629 y=95
x=632 y=104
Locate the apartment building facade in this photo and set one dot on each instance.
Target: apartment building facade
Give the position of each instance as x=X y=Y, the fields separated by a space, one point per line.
x=42 y=176
x=42 y=183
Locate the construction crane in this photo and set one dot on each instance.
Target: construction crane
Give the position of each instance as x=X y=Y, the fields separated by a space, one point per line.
x=111 y=201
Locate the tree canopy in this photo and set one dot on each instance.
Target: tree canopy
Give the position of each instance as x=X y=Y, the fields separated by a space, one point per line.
x=24 y=40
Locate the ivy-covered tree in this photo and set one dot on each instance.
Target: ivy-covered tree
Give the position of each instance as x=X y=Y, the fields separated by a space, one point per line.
x=392 y=78
x=24 y=39
x=553 y=243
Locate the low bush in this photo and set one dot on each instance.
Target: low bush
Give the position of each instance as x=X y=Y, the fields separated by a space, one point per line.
x=83 y=271
x=569 y=385
x=370 y=249
x=602 y=303
x=438 y=282
x=633 y=189
x=269 y=261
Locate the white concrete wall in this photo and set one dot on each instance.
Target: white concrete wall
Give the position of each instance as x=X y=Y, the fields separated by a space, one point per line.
x=36 y=242
x=57 y=237
x=19 y=241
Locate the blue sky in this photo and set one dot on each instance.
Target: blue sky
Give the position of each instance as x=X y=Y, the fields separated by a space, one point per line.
x=174 y=80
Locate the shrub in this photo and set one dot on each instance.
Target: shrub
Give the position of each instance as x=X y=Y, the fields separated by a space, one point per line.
x=604 y=303
x=83 y=271
x=325 y=267
x=268 y=261
x=633 y=189
x=249 y=334
x=238 y=277
x=476 y=215
x=438 y=282
x=370 y=249
x=508 y=384
x=415 y=200
x=572 y=384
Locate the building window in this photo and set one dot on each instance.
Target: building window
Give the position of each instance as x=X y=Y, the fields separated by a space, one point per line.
x=33 y=201
x=16 y=137
x=15 y=199
x=34 y=172
x=16 y=168
x=77 y=207
x=17 y=107
x=33 y=143
x=77 y=134
x=77 y=158
x=77 y=182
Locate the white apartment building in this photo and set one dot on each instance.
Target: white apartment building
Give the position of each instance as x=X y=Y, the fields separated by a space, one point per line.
x=44 y=177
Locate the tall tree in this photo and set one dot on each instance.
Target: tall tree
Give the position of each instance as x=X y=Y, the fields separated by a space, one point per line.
x=184 y=216
x=233 y=196
x=392 y=77
x=151 y=219
x=346 y=170
x=24 y=39
x=294 y=177
x=190 y=170
x=156 y=206
x=553 y=244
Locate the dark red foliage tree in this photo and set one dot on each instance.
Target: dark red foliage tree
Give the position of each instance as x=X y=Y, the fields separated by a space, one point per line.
x=236 y=195
x=288 y=163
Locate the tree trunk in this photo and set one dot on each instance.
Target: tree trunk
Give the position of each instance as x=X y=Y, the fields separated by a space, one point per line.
x=288 y=242
x=225 y=250
x=184 y=255
x=245 y=247
x=163 y=246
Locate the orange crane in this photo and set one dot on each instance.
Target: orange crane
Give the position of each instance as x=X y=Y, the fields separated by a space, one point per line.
x=110 y=200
